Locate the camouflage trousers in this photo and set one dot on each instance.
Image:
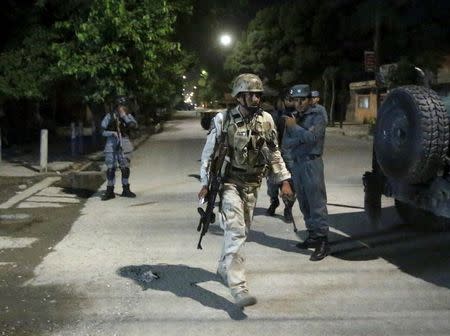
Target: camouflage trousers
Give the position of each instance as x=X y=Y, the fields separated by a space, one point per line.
x=116 y=157
x=111 y=161
x=237 y=205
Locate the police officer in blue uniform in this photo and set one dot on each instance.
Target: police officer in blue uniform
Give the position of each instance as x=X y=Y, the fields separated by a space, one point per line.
x=116 y=126
x=304 y=136
x=315 y=99
x=287 y=108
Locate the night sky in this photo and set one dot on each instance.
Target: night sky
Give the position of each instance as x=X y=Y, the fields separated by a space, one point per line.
x=200 y=32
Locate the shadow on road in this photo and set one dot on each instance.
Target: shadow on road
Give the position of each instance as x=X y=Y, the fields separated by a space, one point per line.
x=424 y=255
x=196 y=176
x=182 y=281
x=282 y=244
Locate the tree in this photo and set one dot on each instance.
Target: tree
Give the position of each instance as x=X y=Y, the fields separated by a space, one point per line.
x=312 y=39
x=25 y=71
x=330 y=75
x=123 y=48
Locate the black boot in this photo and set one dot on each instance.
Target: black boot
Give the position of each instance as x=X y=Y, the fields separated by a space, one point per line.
x=308 y=243
x=274 y=203
x=109 y=193
x=126 y=192
x=321 y=251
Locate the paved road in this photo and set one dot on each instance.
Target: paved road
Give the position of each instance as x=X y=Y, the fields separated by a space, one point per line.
x=100 y=275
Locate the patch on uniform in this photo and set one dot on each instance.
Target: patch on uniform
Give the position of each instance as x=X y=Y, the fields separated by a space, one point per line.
x=272 y=141
x=258 y=126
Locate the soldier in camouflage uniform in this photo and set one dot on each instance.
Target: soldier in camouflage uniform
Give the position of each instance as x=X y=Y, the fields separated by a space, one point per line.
x=116 y=127
x=252 y=140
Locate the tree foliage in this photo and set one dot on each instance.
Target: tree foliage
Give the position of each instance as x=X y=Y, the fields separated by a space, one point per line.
x=123 y=48
x=299 y=41
x=26 y=71
x=103 y=47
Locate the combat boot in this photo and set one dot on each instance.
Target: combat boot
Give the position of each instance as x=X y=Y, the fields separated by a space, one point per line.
x=274 y=203
x=244 y=299
x=308 y=243
x=322 y=250
x=126 y=192
x=109 y=193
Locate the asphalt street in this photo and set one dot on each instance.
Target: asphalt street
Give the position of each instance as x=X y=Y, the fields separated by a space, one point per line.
x=131 y=267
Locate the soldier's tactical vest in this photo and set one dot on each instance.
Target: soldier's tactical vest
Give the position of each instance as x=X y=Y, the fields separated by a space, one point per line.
x=247 y=142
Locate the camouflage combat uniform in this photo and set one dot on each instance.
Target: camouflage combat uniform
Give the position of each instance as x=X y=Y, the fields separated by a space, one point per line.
x=253 y=148
x=117 y=151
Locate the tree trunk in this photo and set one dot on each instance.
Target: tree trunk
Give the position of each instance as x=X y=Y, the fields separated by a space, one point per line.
x=333 y=98
x=325 y=96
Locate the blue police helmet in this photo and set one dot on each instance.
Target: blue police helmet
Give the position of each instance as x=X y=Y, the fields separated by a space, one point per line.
x=300 y=91
x=315 y=94
x=121 y=100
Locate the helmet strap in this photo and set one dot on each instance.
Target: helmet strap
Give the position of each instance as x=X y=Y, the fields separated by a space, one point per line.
x=251 y=109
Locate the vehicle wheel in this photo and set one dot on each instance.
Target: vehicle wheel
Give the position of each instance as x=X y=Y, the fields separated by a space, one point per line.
x=421 y=219
x=411 y=135
x=205 y=121
x=372 y=198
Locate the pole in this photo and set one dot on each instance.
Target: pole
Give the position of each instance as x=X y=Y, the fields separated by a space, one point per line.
x=44 y=151
x=94 y=133
x=376 y=49
x=73 y=139
x=80 y=137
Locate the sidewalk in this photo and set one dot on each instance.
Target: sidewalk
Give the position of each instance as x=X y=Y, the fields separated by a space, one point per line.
x=25 y=163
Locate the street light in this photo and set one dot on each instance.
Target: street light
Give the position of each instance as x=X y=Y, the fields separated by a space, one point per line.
x=225 y=40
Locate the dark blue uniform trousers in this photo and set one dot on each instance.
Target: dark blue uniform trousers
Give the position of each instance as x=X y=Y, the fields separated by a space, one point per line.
x=309 y=184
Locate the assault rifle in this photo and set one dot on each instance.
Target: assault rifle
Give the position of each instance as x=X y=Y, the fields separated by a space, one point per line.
x=116 y=116
x=207 y=216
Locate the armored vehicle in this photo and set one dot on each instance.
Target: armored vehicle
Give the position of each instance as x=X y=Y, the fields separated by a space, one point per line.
x=410 y=161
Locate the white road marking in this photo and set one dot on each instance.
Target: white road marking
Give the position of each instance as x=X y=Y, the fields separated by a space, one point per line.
x=53 y=199
x=25 y=205
x=28 y=192
x=9 y=243
x=54 y=191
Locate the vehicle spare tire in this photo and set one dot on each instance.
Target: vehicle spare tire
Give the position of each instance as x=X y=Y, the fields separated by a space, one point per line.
x=411 y=135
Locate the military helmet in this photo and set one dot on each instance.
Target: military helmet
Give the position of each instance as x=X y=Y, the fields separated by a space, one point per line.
x=247 y=82
x=300 y=91
x=315 y=94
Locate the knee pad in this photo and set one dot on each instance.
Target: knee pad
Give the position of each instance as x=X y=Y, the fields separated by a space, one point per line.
x=110 y=173
x=124 y=162
x=125 y=172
